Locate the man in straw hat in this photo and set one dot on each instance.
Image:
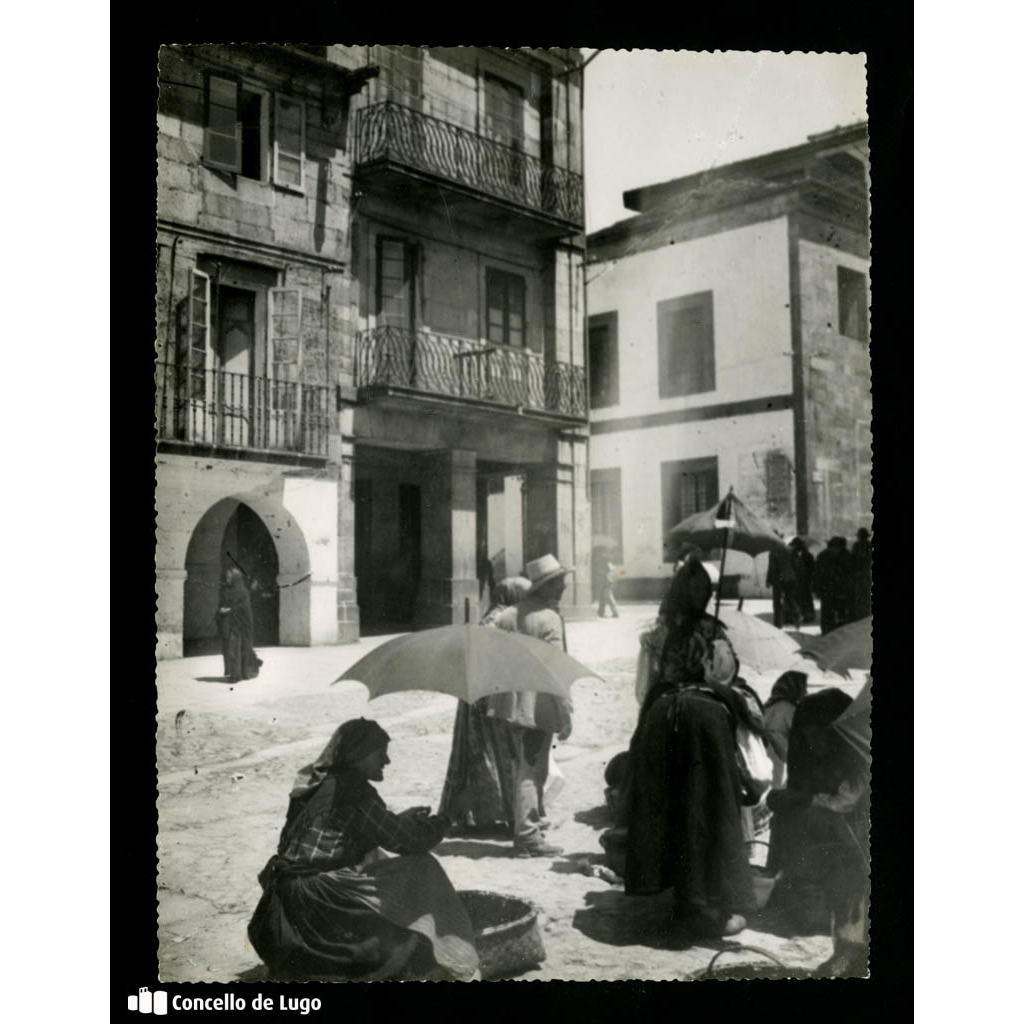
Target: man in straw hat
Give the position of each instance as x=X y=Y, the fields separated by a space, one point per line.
x=536 y=717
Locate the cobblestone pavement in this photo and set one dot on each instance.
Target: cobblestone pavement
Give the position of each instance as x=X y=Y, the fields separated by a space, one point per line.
x=227 y=755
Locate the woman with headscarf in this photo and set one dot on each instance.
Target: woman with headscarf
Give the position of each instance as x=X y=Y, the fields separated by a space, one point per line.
x=789 y=689
x=686 y=790
x=479 y=789
x=819 y=826
x=234 y=615
x=334 y=904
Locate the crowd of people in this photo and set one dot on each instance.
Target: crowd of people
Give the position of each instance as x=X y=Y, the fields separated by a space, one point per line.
x=840 y=577
x=711 y=779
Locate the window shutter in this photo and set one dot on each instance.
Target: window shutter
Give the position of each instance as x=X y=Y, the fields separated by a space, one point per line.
x=197 y=334
x=285 y=345
x=285 y=327
x=289 y=143
x=222 y=136
x=777 y=483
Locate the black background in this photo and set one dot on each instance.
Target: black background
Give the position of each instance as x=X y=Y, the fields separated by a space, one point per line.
x=887 y=43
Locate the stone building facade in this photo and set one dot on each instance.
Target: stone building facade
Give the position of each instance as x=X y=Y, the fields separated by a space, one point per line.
x=369 y=316
x=728 y=347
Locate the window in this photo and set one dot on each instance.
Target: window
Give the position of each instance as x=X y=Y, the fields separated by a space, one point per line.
x=686 y=345
x=687 y=486
x=395 y=283
x=222 y=139
x=237 y=136
x=853 y=304
x=503 y=112
x=777 y=490
x=506 y=309
x=606 y=507
x=289 y=143
x=603 y=346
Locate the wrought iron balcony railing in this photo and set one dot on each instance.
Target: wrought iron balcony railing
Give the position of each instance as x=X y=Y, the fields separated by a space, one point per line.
x=235 y=410
x=438 y=364
x=391 y=133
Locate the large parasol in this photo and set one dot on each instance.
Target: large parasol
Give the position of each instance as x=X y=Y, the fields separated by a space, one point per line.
x=729 y=524
x=468 y=662
x=758 y=644
x=848 y=647
x=854 y=724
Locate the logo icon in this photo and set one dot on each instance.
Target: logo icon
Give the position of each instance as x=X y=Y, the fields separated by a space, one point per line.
x=149 y=1002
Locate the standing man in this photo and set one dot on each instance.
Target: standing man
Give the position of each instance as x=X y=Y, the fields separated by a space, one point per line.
x=782 y=579
x=860 y=589
x=607 y=599
x=832 y=582
x=536 y=717
x=803 y=566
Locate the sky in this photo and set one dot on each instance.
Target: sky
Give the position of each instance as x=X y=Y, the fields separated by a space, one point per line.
x=652 y=115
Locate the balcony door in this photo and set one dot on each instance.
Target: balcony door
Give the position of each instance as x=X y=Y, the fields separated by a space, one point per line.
x=504 y=105
x=396 y=311
x=236 y=347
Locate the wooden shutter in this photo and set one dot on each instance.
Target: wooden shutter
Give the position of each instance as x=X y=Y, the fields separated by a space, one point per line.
x=222 y=136
x=199 y=351
x=777 y=483
x=289 y=143
x=285 y=345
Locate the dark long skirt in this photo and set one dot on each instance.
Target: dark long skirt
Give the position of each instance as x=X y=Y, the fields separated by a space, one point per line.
x=481 y=768
x=400 y=920
x=684 y=826
x=823 y=862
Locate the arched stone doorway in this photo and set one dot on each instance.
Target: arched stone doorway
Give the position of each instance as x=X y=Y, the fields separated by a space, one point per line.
x=233 y=532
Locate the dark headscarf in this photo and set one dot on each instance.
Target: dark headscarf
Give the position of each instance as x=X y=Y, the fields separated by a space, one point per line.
x=818 y=759
x=351 y=742
x=790 y=687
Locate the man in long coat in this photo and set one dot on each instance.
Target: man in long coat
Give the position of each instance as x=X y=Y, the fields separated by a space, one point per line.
x=536 y=717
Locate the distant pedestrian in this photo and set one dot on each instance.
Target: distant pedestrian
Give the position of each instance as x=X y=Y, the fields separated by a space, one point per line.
x=860 y=588
x=832 y=584
x=234 y=621
x=803 y=568
x=607 y=600
x=782 y=579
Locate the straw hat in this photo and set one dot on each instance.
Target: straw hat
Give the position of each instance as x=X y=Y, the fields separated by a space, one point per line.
x=544 y=569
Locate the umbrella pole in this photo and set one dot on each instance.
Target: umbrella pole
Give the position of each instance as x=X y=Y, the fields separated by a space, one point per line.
x=721 y=571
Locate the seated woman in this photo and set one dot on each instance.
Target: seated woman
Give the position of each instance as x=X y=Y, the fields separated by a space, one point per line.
x=481 y=779
x=685 y=790
x=334 y=904
x=820 y=820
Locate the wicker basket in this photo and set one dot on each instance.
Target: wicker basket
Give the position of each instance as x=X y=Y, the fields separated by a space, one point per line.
x=506 y=932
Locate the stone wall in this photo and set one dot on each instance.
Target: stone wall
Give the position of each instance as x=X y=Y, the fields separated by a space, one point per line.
x=837 y=385
x=194 y=498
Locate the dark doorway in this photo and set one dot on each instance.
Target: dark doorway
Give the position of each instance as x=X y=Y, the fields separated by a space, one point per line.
x=248 y=543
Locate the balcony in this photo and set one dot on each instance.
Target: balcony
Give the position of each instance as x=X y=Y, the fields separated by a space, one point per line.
x=233 y=410
x=450 y=367
x=389 y=135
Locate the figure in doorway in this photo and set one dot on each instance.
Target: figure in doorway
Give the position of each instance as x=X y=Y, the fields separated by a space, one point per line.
x=234 y=620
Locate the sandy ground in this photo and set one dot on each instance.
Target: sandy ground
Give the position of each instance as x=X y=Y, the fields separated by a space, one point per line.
x=227 y=755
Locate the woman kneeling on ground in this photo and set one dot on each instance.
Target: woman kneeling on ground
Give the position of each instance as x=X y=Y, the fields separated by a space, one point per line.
x=334 y=904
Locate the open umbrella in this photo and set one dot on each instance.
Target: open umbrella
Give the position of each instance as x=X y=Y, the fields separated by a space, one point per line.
x=843 y=649
x=729 y=524
x=468 y=662
x=854 y=724
x=758 y=644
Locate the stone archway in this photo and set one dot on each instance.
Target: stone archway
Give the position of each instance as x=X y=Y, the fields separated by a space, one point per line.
x=270 y=547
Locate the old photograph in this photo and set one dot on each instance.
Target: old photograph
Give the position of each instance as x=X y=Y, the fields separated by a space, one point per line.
x=513 y=514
